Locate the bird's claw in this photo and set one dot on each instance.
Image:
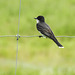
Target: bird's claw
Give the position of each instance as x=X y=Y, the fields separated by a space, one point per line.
x=40 y=36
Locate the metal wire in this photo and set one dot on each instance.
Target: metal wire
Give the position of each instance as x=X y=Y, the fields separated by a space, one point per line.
x=33 y=36
x=42 y=36
x=16 y=57
x=30 y=36
x=18 y=37
x=8 y=36
x=19 y=16
x=67 y=36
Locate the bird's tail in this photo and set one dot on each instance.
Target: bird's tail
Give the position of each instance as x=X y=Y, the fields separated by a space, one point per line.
x=56 y=41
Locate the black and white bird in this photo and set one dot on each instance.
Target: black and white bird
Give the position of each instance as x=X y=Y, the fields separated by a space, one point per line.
x=45 y=30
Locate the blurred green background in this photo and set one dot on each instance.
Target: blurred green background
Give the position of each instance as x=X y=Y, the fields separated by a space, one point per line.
x=37 y=56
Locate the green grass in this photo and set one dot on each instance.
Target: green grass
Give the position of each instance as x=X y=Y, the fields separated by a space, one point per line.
x=37 y=56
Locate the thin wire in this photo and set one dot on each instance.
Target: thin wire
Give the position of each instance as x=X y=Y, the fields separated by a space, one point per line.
x=33 y=36
x=8 y=36
x=30 y=36
x=67 y=36
x=42 y=36
x=19 y=16
x=16 y=57
x=17 y=37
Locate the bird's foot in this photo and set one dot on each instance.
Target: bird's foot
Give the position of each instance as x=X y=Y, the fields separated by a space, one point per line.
x=40 y=36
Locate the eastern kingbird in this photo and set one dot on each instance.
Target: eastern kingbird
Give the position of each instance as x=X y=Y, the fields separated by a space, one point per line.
x=44 y=29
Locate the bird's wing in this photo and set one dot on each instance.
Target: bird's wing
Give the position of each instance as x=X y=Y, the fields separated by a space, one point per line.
x=45 y=29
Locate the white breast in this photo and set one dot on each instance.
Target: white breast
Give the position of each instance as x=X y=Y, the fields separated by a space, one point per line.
x=37 y=20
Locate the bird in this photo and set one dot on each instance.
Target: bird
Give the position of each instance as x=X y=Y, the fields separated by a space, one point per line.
x=45 y=30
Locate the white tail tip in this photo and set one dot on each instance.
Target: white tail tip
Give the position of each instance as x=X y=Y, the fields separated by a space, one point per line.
x=61 y=47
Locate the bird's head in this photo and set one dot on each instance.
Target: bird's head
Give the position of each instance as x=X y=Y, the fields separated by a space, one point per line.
x=40 y=19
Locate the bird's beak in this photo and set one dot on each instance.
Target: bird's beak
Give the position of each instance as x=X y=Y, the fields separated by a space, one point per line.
x=35 y=18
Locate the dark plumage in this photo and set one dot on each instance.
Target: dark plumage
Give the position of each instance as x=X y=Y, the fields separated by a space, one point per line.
x=43 y=28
